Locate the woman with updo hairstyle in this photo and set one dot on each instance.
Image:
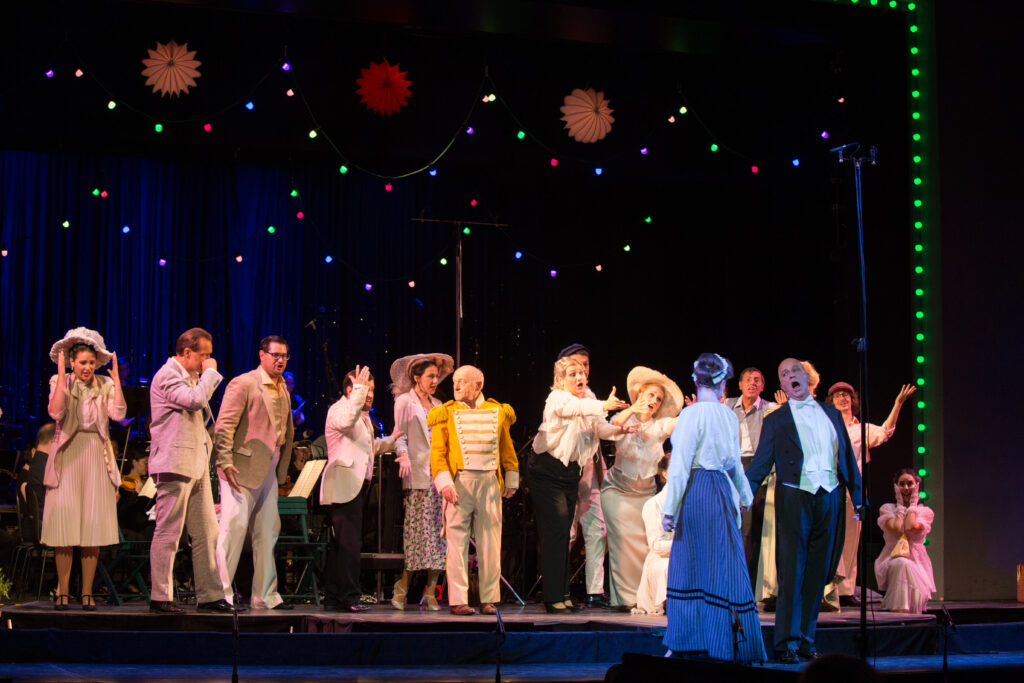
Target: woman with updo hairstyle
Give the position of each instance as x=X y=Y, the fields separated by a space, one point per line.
x=415 y=379
x=570 y=433
x=81 y=473
x=904 y=570
x=708 y=583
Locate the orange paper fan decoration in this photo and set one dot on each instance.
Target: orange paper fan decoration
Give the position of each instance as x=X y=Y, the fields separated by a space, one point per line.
x=384 y=88
x=171 y=69
x=587 y=115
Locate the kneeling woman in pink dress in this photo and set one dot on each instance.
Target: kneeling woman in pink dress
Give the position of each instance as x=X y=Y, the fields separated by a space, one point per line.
x=904 y=570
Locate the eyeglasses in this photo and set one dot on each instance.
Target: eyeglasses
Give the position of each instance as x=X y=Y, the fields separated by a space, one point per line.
x=278 y=356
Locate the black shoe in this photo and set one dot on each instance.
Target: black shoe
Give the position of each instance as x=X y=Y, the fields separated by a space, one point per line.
x=769 y=604
x=550 y=607
x=827 y=606
x=222 y=606
x=810 y=654
x=354 y=609
x=88 y=602
x=165 y=607
x=597 y=600
x=849 y=601
x=60 y=603
x=788 y=657
x=283 y=606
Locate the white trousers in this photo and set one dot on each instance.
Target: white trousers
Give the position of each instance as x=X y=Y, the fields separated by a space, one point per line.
x=253 y=511
x=478 y=510
x=182 y=502
x=590 y=517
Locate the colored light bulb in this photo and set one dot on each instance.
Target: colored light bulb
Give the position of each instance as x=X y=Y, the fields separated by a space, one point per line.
x=795 y=162
x=49 y=73
x=553 y=273
x=249 y=105
x=412 y=283
x=714 y=147
x=159 y=127
x=387 y=187
x=125 y=229
x=312 y=135
x=238 y=258
x=271 y=229
x=432 y=172
x=343 y=169
x=111 y=105
x=643 y=150
x=465 y=230
x=469 y=131
x=289 y=92
x=598 y=171
x=300 y=215
x=444 y=261
x=328 y=258
x=521 y=134
x=367 y=286
x=519 y=254
x=207 y=127
x=554 y=162
x=162 y=262
x=286 y=67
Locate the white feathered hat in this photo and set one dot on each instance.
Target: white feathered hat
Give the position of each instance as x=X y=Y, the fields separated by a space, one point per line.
x=82 y=335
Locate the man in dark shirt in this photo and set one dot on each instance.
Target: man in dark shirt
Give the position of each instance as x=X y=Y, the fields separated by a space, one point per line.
x=31 y=474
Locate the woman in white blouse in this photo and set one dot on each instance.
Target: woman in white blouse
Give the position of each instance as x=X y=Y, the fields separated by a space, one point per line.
x=630 y=482
x=708 y=585
x=570 y=433
x=81 y=474
x=415 y=379
x=844 y=397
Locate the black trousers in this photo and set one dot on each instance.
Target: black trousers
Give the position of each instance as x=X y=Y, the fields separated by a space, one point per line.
x=805 y=539
x=341 y=583
x=554 y=489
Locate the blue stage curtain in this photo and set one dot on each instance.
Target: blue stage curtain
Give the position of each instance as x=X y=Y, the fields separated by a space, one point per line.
x=199 y=216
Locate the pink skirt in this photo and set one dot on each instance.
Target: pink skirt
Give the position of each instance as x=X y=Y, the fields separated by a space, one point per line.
x=82 y=510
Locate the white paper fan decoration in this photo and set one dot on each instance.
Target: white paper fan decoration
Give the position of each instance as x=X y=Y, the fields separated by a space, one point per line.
x=587 y=115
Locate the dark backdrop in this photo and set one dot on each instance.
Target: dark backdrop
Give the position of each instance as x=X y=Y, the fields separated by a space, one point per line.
x=753 y=266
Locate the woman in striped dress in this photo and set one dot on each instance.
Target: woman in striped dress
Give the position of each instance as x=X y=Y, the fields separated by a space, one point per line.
x=708 y=585
x=81 y=476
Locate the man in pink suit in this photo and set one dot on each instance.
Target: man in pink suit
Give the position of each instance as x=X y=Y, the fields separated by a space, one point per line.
x=253 y=445
x=179 y=461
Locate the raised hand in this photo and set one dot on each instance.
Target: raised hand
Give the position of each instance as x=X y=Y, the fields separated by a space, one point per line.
x=362 y=375
x=780 y=396
x=114 y=373
x=61 y=365
x=905 y=393
x=614 y=403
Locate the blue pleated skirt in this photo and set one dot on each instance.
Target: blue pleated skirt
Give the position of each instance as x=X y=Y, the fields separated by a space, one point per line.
x=707 y=576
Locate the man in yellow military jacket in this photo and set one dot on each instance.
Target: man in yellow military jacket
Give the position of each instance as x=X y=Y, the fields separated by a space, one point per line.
x=473 y=463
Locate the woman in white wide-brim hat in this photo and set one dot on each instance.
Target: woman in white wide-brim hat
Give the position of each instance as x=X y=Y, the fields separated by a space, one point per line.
x=655 y=402
x=81 y=474
x=415 y=379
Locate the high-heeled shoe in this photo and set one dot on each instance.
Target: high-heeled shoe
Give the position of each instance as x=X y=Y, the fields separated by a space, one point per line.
x=400 y=592
x=430 y=602
x=556 y=607
x=61 y=602
x=88 y=606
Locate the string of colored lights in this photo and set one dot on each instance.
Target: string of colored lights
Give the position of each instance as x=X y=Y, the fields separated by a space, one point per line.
x=924 y=216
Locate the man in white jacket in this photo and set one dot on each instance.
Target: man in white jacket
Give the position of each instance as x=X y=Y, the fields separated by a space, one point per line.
x=179 y=462
x=350 y=450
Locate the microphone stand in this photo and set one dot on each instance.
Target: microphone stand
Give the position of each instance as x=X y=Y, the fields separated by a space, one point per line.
x=848 y=153
x=500 y=637
x=946 y=622
x=234 y=635
x=737 y=631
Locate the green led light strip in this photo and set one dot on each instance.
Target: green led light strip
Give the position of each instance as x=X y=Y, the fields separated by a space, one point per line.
x=919 y=213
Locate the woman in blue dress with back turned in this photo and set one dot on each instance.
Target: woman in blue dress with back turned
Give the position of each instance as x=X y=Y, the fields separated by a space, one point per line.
x=708 y=585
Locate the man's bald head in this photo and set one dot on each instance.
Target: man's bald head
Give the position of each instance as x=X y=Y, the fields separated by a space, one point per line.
x=467 y=383
x=794 y=380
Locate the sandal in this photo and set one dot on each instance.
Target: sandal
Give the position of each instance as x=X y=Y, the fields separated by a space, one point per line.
x=59 y=604
x=88 y=606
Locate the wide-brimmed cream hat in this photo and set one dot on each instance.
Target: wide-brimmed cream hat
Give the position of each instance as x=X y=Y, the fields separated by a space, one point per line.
x=641 y=376
x=81 y=335
x=402 y=382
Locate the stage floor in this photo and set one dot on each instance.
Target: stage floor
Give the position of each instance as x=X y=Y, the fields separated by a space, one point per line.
x=129 y=643
x=135 y=616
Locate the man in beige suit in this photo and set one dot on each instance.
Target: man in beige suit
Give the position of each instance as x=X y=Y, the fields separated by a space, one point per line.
x=253 y=445
x=179 y=461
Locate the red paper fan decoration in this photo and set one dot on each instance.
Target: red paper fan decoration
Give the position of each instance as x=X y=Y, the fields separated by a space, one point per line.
x=587 y=115
x=384 y=88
